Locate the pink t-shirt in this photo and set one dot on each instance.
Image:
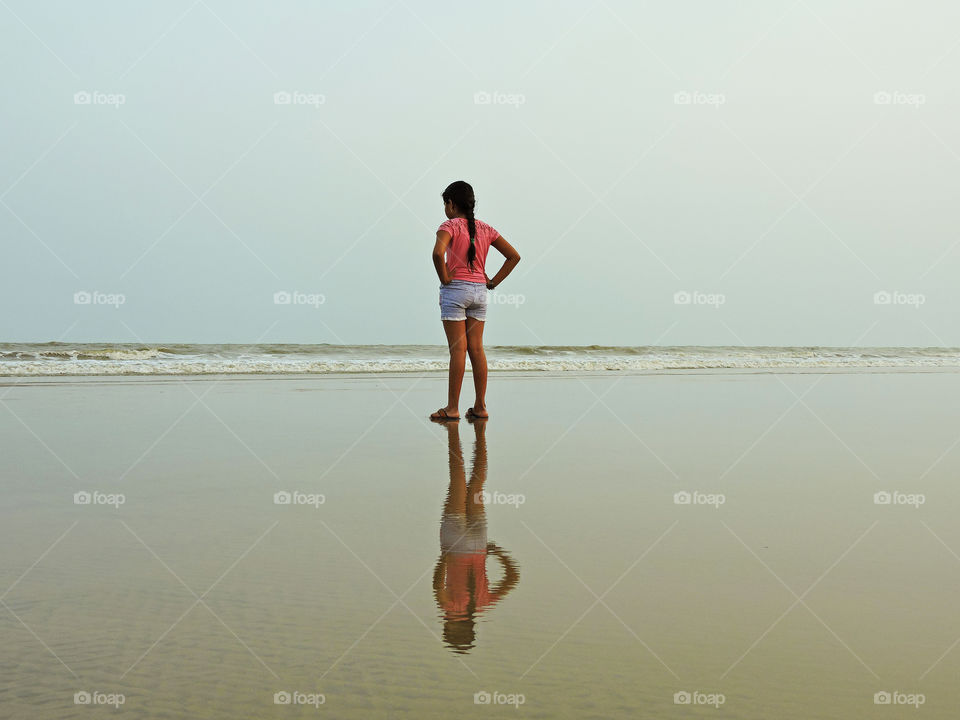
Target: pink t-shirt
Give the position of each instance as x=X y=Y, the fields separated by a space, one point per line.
x=459 y=244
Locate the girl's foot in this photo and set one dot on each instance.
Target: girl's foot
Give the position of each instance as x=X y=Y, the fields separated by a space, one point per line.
x=442 y=415
x=480 y=414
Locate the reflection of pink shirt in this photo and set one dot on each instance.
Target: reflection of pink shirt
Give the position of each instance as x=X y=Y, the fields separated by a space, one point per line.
x=460 y=243
x=466 y=572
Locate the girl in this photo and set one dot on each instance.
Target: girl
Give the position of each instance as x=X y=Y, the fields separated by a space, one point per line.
x=459 y=257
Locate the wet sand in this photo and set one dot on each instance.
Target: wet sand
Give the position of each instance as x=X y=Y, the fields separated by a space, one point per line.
x=782 y=588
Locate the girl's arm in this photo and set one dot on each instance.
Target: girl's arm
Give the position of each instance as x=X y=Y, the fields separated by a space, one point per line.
x=512 y=258
x=439 y=254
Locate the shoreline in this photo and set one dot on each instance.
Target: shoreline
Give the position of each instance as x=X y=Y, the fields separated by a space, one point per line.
x=23 y=380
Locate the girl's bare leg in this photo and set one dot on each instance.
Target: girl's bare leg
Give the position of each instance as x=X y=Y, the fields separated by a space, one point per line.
x=457 y=342
x=478 y=363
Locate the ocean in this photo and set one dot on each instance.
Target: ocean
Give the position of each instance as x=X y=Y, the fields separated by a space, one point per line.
x=56 y=358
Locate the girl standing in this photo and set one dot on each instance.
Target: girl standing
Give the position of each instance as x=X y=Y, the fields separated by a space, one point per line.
x=459 y=257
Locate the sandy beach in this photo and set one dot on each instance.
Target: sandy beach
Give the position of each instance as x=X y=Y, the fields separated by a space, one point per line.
x=698 y=261
x=714 y=534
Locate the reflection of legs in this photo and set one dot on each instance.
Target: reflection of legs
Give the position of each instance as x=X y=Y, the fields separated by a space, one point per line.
x=478 y=363
x=478 y=474
x=457 y=495
x=457 y=343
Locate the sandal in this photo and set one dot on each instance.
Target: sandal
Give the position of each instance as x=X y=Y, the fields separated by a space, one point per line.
x=441 y=416
x=471 y=415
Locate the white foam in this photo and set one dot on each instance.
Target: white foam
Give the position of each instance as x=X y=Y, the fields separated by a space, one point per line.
x=201 y=360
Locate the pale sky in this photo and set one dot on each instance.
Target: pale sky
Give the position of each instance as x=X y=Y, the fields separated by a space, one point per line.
x=781 y=162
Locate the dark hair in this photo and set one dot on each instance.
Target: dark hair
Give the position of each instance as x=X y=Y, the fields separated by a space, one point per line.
x=460 y=193
x=460 y=634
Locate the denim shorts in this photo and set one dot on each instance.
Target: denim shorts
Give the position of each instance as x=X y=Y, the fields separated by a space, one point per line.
x=460 y=299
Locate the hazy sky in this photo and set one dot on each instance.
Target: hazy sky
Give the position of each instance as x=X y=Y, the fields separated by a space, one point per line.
x=781 y=162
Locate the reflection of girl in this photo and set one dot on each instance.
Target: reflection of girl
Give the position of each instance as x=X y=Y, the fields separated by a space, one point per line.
x=460 y=582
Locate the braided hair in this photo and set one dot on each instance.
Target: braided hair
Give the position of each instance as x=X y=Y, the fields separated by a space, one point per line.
x=460 y=193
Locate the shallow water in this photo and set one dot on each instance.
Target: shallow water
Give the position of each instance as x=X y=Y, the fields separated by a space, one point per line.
x=782 y=589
